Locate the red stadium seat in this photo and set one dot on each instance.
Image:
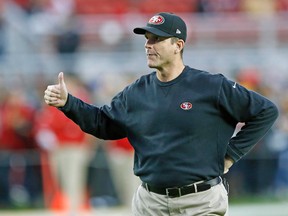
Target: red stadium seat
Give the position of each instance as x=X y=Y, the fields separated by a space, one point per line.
x=154 y=6
x=101 y=6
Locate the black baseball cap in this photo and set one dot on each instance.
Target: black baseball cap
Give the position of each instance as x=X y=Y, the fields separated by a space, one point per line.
x=165 y=25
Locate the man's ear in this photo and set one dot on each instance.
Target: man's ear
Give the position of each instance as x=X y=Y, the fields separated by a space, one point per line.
x=179 y=46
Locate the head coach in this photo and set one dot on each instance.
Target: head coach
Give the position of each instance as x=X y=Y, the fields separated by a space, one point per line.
x=179 y=120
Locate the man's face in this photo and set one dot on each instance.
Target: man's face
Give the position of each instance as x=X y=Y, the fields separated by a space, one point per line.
x=159 y=50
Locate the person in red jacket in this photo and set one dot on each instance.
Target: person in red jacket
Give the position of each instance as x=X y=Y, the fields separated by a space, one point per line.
x=121 y=156
x=16 y=122
x=67 y=147
x=19 y=168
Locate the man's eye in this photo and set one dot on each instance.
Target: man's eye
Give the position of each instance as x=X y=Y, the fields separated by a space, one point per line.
x=160 y=38
x=154 y=39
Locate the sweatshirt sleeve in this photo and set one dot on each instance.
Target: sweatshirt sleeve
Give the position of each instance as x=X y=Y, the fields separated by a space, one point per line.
x=256 y=111
x=102 y=122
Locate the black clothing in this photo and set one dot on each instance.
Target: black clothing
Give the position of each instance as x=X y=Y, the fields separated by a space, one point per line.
x=181 y=130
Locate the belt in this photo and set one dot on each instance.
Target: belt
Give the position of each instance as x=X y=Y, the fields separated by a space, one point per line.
x=181 y=191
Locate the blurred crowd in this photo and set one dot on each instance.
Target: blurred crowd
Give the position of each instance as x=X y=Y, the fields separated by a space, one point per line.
x=152 y=6
x=45 y=160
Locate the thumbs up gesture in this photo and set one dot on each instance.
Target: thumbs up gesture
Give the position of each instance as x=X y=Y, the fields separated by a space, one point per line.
x=56 y=95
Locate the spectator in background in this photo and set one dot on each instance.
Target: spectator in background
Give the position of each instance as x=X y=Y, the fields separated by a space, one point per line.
x=17 y=117
x=281 y=141
x=33 y=6
x=214 y=6
x=120 y=153
x=67 y=40
x=264 y=158
x=68 y=149
x=121 y=161
x=20 y=173
x=263 y=7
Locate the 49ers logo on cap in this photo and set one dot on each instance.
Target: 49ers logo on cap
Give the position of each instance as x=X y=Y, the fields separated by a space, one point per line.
x=186 y=105
x=156 y=20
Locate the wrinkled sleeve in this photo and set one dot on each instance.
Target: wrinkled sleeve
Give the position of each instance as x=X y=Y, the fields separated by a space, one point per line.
x=104 y=122
x=256 y=111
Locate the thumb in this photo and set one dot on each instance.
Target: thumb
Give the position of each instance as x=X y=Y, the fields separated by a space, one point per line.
x=61 y=80
x=63 y=89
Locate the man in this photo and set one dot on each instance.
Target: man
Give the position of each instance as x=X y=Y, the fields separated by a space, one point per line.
x=180 y=122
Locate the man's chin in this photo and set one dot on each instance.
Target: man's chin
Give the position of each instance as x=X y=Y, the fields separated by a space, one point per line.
x=151 y=65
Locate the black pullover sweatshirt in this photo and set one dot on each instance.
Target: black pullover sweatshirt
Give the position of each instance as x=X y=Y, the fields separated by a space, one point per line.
x=181 y=130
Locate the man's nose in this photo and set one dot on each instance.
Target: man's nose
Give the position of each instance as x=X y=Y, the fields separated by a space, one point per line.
x=147 y=44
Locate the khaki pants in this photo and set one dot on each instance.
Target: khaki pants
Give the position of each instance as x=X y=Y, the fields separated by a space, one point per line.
x=69 y=165
x=211 y=202
x=122 y=171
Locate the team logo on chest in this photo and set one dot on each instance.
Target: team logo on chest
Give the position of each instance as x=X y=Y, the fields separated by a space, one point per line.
x=186 y=105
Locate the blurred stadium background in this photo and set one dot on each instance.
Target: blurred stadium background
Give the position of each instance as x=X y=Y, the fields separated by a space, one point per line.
x=92 y=42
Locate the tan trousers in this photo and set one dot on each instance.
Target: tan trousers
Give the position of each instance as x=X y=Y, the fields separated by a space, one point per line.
x=122 y=172
x=207 y=203
x=69 y=165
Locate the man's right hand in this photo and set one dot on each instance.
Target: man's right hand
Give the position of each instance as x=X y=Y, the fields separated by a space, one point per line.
x=228 y=162
x=56 y=95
